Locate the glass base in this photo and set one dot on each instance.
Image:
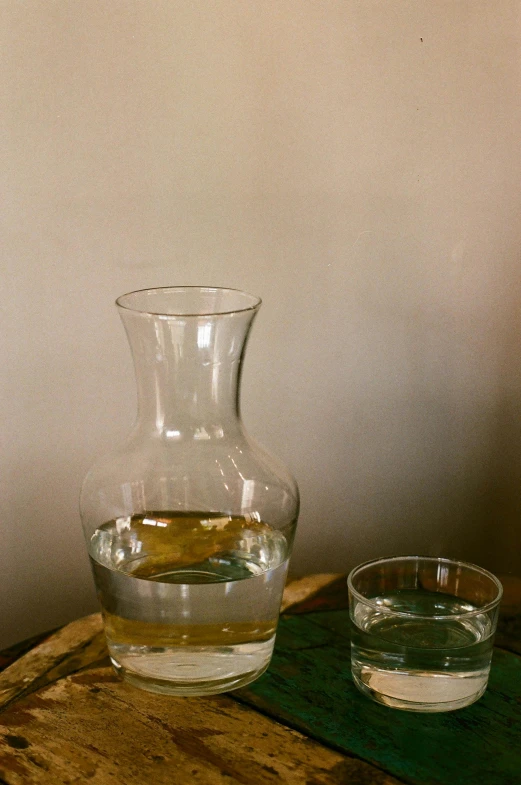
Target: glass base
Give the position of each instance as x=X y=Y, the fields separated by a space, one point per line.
x=427 y=693
x=164 y=687
x=193 y=670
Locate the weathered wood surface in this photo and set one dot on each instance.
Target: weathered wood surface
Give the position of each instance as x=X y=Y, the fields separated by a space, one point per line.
x=88 y=726
x=307 y=588
x=74 y=646
x=92 y=727
x=309 y=687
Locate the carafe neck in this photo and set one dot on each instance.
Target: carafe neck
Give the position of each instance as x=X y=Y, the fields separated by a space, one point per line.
x=188 y=371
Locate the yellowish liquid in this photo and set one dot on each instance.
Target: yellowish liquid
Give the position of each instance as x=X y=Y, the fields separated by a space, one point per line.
x=159 y=546
x=205 y=585
x=143 y=633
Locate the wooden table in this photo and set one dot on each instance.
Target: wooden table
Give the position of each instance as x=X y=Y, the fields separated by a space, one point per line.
x=66 y=718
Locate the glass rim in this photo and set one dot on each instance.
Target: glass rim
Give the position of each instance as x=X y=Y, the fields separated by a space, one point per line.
x=254 y=301
x=439 y=560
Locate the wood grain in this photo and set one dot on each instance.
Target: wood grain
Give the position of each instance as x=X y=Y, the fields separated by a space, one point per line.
x=74 y=646
x=301 y=589
x=90 y=727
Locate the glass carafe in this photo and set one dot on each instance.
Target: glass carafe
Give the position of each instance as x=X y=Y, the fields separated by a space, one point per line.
x=189 y=523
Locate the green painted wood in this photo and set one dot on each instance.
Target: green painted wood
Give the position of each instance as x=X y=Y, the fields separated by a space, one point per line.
x=309 y=687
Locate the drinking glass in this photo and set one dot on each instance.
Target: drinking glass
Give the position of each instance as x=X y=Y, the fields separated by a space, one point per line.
x=422 y=631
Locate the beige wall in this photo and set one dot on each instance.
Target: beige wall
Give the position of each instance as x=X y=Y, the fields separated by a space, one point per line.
x=357 y=164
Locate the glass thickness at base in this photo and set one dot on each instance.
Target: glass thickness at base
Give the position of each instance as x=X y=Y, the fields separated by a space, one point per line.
x=419 y=692
x=191 y=670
